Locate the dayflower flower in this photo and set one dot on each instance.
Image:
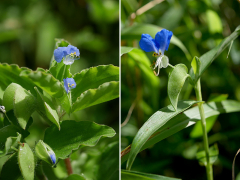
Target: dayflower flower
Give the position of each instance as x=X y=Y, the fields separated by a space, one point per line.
x=69 y=83
x=159 y=45
x=68 y=54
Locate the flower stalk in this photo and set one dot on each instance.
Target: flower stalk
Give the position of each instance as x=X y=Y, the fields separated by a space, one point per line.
x=205 y=137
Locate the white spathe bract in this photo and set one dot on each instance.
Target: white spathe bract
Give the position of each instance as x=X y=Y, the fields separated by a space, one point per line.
x=162 y=62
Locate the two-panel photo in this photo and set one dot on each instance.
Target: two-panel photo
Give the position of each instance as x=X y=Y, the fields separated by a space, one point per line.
x=120 y=90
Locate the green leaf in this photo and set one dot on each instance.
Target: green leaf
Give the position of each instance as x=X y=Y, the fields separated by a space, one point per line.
x=10 y=74
x=75 y=177
x=26 y=161
x=134 y=175
x=10 y=142
x=5 y=132
x=156 y=121
x=176 y=81
x=10 y=169
x=73 y=134
x=108 y=162
x=8 y=96
x=196 y=66
x=213 y=155
x=207 y=58
x=186 y=119
x=46 y=82
x=60 y=71
x=92 y=78
x=125 y=49
x=24 y=105
x=105 y=92
x=47 y=108
x=197 y=129
x=135 y=32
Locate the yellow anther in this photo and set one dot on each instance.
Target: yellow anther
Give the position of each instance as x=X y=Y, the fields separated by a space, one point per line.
x=72 y=85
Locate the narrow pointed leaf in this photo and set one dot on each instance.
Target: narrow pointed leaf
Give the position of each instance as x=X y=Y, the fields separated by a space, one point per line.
x=134 y=175
x=207 y=58
x=24 y=105
x=46 y=107
x=103 y=93
x=186 y=119
x=26 y=161
x=78 y=133
x=93 y=77
x=156 y=121
x=176 y=81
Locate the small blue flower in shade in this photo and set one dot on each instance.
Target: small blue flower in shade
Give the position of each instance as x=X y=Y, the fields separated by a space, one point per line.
x=68 y=54
x=159 y=45
x=69 y=83
x=53 y=157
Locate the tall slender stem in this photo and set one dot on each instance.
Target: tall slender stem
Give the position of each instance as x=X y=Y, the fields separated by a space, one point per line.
x=68 y=166
x=205 y=137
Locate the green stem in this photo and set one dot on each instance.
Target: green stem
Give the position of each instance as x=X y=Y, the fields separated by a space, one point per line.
x=205 y=137
x=63 y=72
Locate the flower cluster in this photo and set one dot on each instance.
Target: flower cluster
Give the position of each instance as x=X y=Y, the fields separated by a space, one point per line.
x=68 y=54
x=159 y=45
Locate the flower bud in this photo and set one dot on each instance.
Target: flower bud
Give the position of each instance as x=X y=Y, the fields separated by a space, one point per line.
x=45 y=152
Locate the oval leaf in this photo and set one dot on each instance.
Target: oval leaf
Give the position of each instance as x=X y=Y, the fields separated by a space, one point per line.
x=156 y=121
x=26 y=161
x=93 y=77
x=24 y=105
x=46 y=82
x=73 y=134
x=175 y=83
x=103 y=93
x=8 y=96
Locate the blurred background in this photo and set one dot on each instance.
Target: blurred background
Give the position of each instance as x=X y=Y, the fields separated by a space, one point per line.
x=200 y=26
x=28 y=29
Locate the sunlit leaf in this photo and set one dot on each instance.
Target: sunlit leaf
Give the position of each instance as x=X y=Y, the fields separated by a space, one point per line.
x=186 y=119
x=156 y=121
x=73 y=134
x=176 y=81
x=26 y=161
x=125 y=49
x=10 y=142
x=105 y=92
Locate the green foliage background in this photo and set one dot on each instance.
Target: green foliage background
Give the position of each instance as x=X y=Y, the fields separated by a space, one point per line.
x=28 y=30
x=200 y=25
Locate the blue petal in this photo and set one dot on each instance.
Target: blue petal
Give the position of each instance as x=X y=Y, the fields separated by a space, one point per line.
x=69 y=83
x=58 y=54
x=147 y=43
x=73 y=49
x=53 y=158
x=162 y=39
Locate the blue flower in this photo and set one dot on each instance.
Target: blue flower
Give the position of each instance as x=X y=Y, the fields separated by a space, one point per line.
x=69 y=84
x=68 y=54
x=159 y=45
